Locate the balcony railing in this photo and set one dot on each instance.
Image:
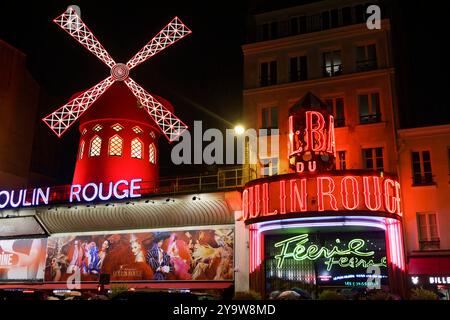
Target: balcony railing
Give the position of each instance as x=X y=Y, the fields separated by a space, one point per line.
x=433 y=244
x=224 y=179
x=366 y=65
x=423 y=180
x=370 y=118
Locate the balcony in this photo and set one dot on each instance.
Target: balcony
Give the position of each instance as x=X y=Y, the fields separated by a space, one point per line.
x=267 y=81
x=366 y=65
x=423 y=180
x=332 y=71
x=433 y=244
x=370 y=118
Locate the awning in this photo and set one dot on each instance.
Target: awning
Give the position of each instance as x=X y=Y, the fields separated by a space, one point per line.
x=20 y=227
x=145 y=213
x=429 y=265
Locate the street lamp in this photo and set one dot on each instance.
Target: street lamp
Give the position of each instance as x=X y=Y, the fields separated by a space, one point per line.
x=239 y=130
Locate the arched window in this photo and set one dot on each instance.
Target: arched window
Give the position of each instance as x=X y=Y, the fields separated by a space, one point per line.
x=96 y=145
x=152 y=153
x=115 y=146
x=136 y=148
x=81 y=151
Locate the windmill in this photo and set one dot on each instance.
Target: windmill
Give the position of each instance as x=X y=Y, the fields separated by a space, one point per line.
x=129 y=137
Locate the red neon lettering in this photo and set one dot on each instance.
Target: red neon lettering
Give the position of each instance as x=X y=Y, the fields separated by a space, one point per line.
x=257 y=198
x=265 y=198
x=397 y=198
x=282 y=197
x=321 y=193
x=251 y=202
x=291 y=145
x=389 y=201
x=316 y=130
x=355 y=192
x=376 y=192
x=244 y=205
x=299 y=167
x=331 y=139
x=312 y=165
x=296 y=197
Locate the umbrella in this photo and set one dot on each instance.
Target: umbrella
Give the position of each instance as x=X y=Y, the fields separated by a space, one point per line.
x=288 y=295
x=303 y=293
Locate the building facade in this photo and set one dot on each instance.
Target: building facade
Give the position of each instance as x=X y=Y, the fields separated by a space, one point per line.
x=424 y=162
x=325 y=48
x=19 y=95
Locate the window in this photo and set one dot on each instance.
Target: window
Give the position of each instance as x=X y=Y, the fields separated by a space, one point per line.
x=84 y=132
x=269 y=118
x=373 y=158
x=313 y=23
x=298 y=68
x=347 y=16
x=268 y=73
x=342 y=164
x=366 y=57
x=270 y=30
x=115 y=146
x=137 y=130
x=336 y=107
x=152 y=153
x=117 y=127
x=360 y=13
x=421 y=168
x=269 y=166
x=369 y=108
x=96 y=145
x=428 y=231
x=153 y=135
x=332 y=64
x=97 y=127
x=81 y=151
x=136 y=148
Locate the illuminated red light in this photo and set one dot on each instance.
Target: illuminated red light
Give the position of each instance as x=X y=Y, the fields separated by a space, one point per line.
x=334 y=193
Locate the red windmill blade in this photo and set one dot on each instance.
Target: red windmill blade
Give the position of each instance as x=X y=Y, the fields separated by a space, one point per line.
x=61 y=119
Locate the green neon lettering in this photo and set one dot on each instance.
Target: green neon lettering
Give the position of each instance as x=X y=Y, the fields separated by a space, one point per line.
x=335 y=256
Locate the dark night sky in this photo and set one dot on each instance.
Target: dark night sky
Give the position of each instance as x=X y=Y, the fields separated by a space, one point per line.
x=205 y=68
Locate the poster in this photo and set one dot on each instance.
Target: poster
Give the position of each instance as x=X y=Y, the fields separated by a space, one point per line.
x=181 y=255
x=22 y=259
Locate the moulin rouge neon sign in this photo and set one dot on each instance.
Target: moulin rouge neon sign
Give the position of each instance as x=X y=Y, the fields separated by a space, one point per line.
x=119 y=190
x=297 y=194
x=350 y=257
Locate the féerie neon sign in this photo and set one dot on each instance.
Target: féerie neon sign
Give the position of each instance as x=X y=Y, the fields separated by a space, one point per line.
x=119 y=190
x=350 y=257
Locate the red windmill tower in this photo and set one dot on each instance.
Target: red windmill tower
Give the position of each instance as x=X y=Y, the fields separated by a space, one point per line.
x=117 y=142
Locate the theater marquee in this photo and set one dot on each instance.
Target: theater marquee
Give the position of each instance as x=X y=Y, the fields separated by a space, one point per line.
x=356 y=190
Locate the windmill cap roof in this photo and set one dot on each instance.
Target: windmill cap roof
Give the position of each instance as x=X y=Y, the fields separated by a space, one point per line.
x=309 y=101
x=119 y=102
